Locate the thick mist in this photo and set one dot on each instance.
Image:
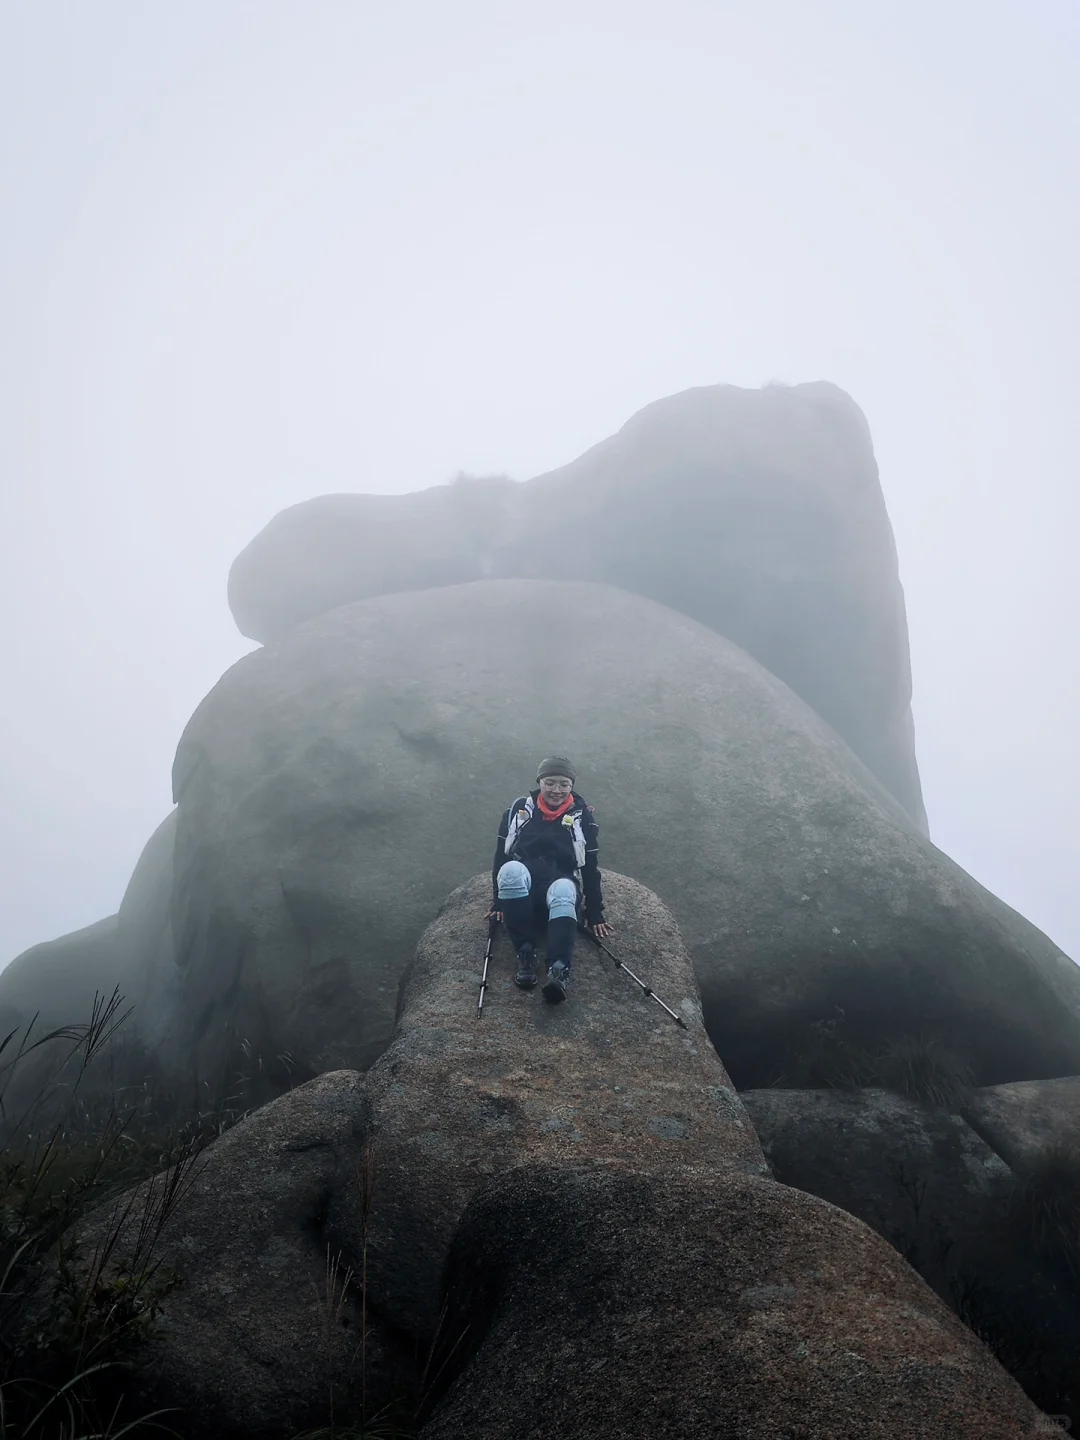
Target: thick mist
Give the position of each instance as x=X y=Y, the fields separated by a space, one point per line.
x=259 y=252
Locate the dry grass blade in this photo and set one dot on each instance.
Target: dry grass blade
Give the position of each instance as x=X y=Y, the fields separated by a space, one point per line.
x=69 y=1321
x=924 y=1069
x=1046 y=1203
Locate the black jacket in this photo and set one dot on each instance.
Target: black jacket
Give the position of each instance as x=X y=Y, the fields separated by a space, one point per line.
x=565 y=847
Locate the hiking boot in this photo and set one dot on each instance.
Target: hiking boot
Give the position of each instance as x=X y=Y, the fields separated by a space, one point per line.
x=558 y=977
x=526 y=971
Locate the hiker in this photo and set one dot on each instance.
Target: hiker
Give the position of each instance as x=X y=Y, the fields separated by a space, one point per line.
x=545 y=863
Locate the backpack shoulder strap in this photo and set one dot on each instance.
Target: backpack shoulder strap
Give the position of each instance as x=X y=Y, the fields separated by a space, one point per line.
x=520 y=812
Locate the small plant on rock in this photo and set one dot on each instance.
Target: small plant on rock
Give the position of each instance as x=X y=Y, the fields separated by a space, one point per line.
x=921 y=1068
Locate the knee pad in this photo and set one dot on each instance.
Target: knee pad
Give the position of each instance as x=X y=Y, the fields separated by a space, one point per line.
x=562 y=900
x=514 y=879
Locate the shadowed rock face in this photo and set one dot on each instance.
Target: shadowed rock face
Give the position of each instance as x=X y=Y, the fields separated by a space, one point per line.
x=925 y=1180
x=918 y=1175
x=334 y=786
x=606 y=1075
x=677 y=1304
x=242 y=1344
x=1022 y=1121
x=456 y=1099
x=757 y=512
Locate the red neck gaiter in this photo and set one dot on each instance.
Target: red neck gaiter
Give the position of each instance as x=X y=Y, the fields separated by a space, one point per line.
x=546 y=810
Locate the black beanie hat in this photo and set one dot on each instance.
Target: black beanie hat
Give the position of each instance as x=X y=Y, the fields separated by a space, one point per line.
x=556 y=765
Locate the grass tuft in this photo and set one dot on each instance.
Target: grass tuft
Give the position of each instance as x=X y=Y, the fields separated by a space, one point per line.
x=1045 y=1204
x=72 y=1141
x=922 y=1068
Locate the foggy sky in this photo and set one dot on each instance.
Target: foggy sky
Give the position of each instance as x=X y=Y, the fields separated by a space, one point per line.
x=254 y=252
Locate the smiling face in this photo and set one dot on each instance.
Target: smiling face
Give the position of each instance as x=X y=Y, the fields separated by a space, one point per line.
x=555 y=789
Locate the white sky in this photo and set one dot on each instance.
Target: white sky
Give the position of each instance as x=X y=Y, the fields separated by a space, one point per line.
x=253 y=252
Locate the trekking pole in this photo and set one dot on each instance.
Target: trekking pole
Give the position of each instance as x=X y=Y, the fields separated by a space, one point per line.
x=646 y=989
x=492 y=926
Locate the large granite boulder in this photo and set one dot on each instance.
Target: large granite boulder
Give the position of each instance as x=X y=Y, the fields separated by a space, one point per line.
x=1026 y=1120
x=606 y=1075
x=258 y=1316
x=334 y=786
x=757 y=512
x=673 y=1304
x=923 y=1179
x=617 y=1209
x=917 y=1174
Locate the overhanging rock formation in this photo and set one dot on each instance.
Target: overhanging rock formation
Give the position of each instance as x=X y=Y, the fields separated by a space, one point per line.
x=757 y=512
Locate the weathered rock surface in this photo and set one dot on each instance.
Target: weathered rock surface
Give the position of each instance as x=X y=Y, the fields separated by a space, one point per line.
x=334 y=786
x=243 y=1345
x=757 y=512
x=617 y=1225
x=918 y=1175
x=606 y=1075
x=686 y=1305
x=923 y=1179
x=1021 y=1121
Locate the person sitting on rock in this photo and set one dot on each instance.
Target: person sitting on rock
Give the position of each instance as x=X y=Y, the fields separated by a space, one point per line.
x=545 y=860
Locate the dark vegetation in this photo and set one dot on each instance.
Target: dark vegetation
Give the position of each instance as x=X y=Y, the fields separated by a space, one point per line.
x=1045 y=1205
x=69 y=1322
x=919 y=1067
x=76 y=1134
